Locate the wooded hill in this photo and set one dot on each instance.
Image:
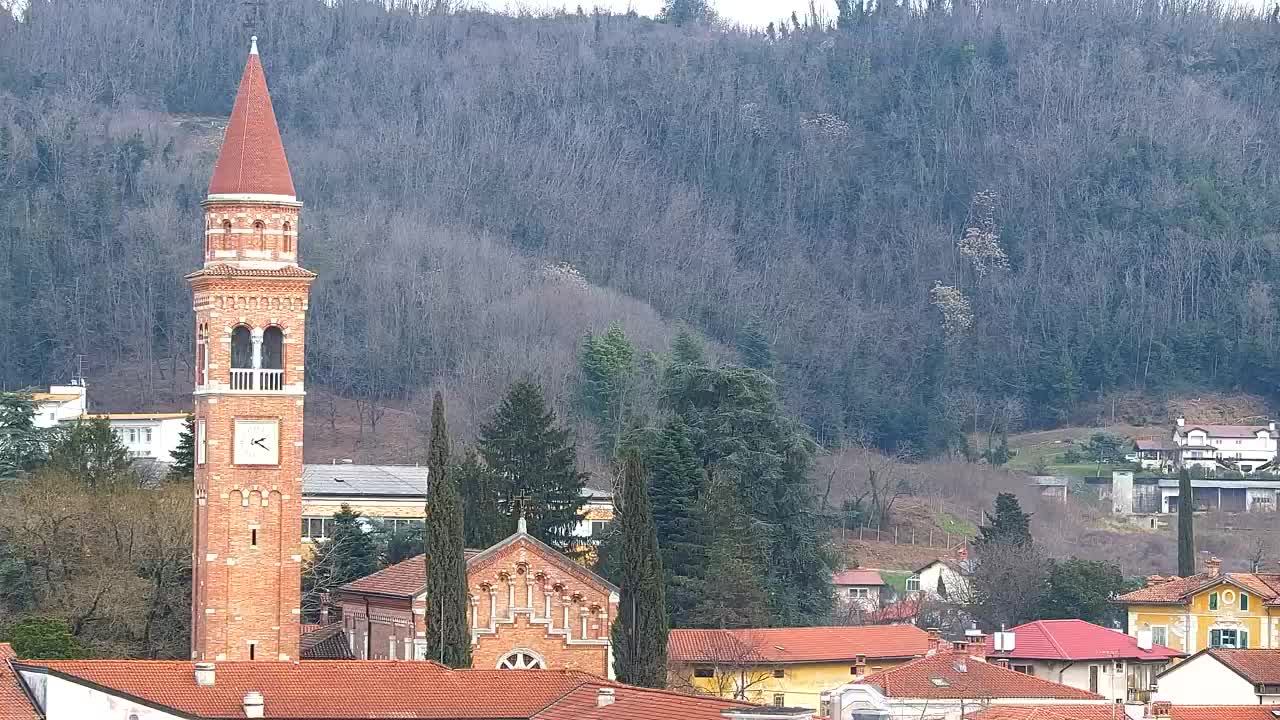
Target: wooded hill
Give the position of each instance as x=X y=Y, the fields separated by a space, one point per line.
x=921 y=220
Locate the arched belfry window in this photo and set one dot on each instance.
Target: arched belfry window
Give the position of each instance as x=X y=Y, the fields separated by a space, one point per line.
x=287 y=241
x=241 y=347
x=521 y=660
x=259 y=235
x=272 y=349
x=226 y=235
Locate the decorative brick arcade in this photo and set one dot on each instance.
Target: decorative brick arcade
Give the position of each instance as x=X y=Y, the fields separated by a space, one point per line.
x=250 y=302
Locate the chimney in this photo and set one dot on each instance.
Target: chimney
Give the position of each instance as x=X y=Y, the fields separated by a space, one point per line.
x=961 y=646
x=1154 y=580
x=977 y=646
x=860 y=666
x=1213 y=566
x=1002 y=662
x=1182 y=422
x=1161 y=709
x=604 y=696
x=1271 y=426
x=204 y=674
x=324 y=608
x=253 y=704
x=935 y=639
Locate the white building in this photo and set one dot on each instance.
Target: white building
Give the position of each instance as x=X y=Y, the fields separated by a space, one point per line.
x=939 y=577
x=1220 y=676
x=1244 y=448
x=150 y=436
x=61 y=403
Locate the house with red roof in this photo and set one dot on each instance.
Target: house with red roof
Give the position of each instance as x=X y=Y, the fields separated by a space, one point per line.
x=1154 y=711
x=858 y=587
x=1223 y=676
x=949 y=686
x=335 y=690
x=788 y=666
x=1120 y=667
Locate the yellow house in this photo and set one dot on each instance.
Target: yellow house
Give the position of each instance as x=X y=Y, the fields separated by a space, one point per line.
x=1209 y=609
x=791 y=667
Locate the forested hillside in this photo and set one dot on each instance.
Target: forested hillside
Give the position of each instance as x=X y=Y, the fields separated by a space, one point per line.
x=921 y=221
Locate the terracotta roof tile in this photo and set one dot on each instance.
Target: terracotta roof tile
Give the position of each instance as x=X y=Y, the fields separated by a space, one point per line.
x=225 y=270
x=802 y=644
x=327 y=642
x=252 y=158
x=633 y=703
x=956 y=675
x=1263 y=585
x=1222 y=712
x=14 y=703
x=1257 y=665
x=330 y=688
x=1107 y=711
x=857 y=577
x=1076 y=640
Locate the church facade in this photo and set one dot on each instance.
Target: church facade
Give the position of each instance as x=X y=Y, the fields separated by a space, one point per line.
x=250 y=304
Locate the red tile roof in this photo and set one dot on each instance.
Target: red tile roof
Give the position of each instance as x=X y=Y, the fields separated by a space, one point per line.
x=377 y=690
x=252 y=158
x=633 y=703
x=857 y=577
x=14 y=703
x=325 y=642
x=1179 y=590
x=405 y=579
x=1076 y=640
x=790 y=645
x=1222 y=712
x=956 y=675
x=1107 y=711
x=1257 y=665
x=222 y=269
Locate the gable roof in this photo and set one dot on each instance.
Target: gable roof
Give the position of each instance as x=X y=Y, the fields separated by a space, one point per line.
x=957 y=675
x=408 y=578
x=1227 y=431
x=1259 y=666
x=375 y=690
x=1076 y=640
x=14 y=703
x=345 y=480
x=799 y=644
x=1178 y=590
x=857 y=577
x=1109 y=711
x=252 y=159
x=328 y=642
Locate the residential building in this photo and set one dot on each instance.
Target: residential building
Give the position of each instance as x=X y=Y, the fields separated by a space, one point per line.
x=61 y=403
x=787 y=666
x=394 y=497
x=531 y=607
x=861 y=588
x=948 y=686
x=1241 y=448
x=1153 y=711
x=1208 y=609
x=1223 y=677
x=336 y=690
x=148 y=436
x=941 y=579
x=1155 y=453
x=1132 y=494
x=1120 y=667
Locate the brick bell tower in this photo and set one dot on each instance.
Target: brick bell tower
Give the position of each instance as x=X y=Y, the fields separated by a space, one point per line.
x=250 y=302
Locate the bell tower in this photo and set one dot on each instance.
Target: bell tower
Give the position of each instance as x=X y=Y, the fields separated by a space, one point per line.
x=250 y=303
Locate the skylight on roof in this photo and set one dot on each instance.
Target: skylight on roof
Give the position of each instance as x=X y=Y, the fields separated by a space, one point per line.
x=939 y=682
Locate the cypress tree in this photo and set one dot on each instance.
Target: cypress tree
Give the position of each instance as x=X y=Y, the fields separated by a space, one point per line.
x=1186 y=526
x=529 y=453
x=640 y=630
x=448 y=637
x=677 y=484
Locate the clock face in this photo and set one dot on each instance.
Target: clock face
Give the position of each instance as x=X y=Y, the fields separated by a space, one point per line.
x=257 y=442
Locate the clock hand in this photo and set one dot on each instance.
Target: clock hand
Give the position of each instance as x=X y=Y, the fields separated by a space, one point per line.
x=258 y=442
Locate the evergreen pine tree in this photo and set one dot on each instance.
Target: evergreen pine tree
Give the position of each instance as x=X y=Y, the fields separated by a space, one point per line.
x=1186 y=526
x=21 y=442
x=608 y=370
x=348 y=554
x=640 y=630
x=686 y=349
x=483 y=520
x=448 y=636
x=91 y=453
x=531 y=455
x=736 y=559
x=677 y=484
x=754 y=347
x=184 y=456
x=1009 y=525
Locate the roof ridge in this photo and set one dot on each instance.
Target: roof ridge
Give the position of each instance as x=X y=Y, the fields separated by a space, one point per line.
x=1052 y=640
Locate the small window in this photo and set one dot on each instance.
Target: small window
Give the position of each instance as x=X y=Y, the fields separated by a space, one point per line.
x=598 y=526
x=1213 y=601
x=704 y=671
x=146 y=435
x=1244 y=602
x=259 y=235
x=779 y=700
x=226 y=235
x=286 y=242
x=1024 y=669
x=253 y=538
x=913 y=583
x=779 y=672
x=1160 y=634
x=201 y=441
x=1228 y=639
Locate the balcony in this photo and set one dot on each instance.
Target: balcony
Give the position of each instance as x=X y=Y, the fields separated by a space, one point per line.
x=257 y=380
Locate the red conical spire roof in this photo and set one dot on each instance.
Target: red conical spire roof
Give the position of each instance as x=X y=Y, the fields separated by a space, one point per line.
x=252 y=159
